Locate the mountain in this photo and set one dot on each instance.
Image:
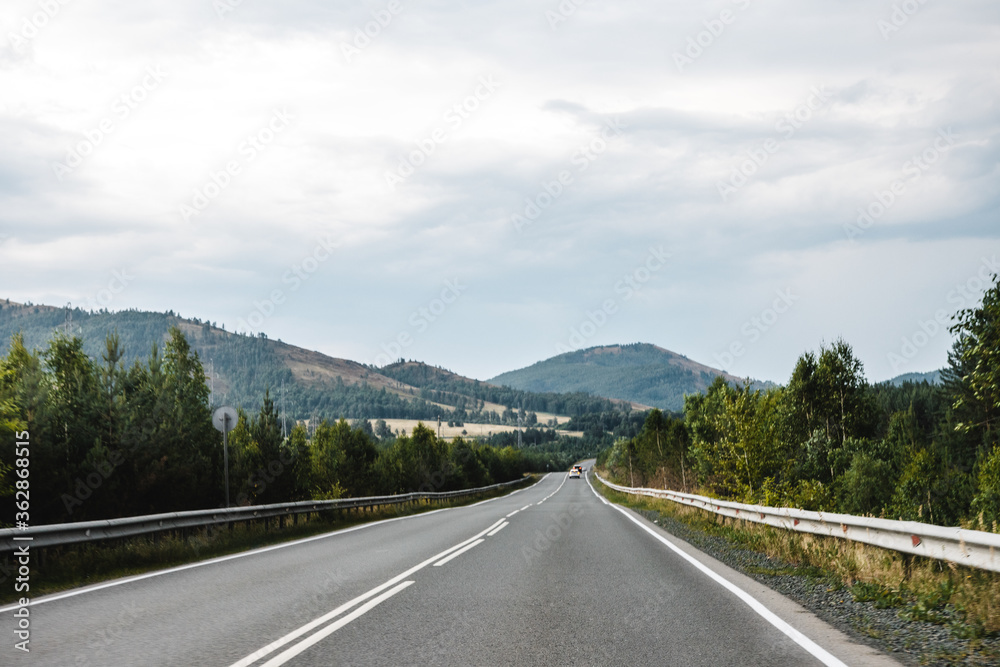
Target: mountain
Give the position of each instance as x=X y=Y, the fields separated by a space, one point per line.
x=310 y=385
x=240 y=368
x=931 y=377
x=639 y=372
x=444 y=386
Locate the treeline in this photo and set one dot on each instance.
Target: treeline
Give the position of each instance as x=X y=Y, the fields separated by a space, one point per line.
x=829 y=440
x=333 y=399
x=244 y=366
x=340 y=460
x=106 y=439
x=109 y=439
x=470 y=396
x=604 y=428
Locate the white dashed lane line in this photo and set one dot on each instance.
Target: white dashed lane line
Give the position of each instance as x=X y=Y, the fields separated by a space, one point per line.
x=459 y=552
x=498 y=529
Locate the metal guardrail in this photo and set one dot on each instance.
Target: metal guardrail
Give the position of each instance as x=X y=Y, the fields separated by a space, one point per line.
x=60 y=534
x=972 y=548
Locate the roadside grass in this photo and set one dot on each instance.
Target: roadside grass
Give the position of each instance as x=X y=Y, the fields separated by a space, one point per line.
x=64 y=568
x=966 y=600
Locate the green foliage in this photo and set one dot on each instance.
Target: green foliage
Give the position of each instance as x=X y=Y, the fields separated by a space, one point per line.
x=109 y=440
x=866 y=486
x=883 y=597
x=829 y=441
x=829 y=393
x=929 y=606
x=736 y=439
x=244 y=367
x=986 y=503
x=974 y=382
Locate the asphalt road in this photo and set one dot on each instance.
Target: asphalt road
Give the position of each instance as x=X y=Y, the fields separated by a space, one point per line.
x=550 y=575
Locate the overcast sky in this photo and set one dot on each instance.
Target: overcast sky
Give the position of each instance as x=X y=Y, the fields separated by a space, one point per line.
x=736 y=181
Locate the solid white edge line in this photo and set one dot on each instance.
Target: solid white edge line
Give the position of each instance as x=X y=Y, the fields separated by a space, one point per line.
x=498 y=529
x=599 y=496
x=458 y=553
x=294 y=634
x=809 y=645
x=290 y=653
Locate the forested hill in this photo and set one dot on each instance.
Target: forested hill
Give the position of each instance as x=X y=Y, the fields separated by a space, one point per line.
x=443 y=386
x=315 y=386
x=638 y=372
x=931 y=377
x=240 y=367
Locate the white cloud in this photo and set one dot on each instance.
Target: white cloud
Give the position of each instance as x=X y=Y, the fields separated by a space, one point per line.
x=325 y=174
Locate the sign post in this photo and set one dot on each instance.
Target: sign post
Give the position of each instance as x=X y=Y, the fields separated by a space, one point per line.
x=224 y=419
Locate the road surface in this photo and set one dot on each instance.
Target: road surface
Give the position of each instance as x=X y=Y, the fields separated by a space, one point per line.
x=549 y=575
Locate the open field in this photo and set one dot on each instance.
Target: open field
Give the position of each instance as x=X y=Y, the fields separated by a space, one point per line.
x=470 y=430
x=543 y=417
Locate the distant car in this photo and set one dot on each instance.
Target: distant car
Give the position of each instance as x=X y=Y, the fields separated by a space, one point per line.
x=575 y=472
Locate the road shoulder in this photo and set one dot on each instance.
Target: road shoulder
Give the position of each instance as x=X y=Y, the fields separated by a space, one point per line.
x=822 y=633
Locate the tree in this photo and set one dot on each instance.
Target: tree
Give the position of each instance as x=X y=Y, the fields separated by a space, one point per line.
x=22 y=391
x=702 y=413
x=866 y=486
x=327 y=456
x=300 y=454
x=10 y=425
x=382 y=430
x=359 y=454
x=973 y=379
x=193 y=441
x=986 y=503
x=68 y=425
x=272 y=484
x=830 y=392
